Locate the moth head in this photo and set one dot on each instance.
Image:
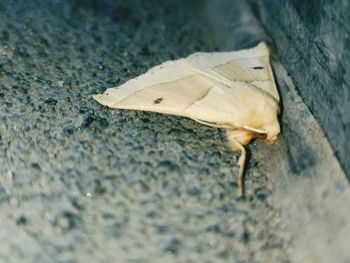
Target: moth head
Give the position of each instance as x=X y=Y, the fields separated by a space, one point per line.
x=272 y=132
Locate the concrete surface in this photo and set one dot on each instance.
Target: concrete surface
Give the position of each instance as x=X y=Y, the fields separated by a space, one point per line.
x=83 y=183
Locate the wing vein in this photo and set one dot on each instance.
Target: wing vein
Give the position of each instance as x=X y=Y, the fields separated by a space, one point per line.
x=199 y=99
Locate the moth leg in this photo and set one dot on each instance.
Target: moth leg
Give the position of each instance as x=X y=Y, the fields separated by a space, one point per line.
x=241 y=163
x=236 y=146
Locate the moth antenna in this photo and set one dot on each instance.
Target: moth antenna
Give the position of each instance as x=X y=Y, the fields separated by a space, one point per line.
x=235 y=145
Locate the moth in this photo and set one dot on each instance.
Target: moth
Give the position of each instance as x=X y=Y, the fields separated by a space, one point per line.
x=235 y=91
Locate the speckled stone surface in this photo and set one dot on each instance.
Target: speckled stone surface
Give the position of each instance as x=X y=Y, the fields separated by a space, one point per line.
x=83 y=183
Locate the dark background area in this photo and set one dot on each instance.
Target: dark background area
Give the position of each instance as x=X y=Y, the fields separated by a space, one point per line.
x=312 y=39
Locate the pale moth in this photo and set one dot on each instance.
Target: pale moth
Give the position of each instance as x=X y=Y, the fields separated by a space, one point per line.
x=231 y=90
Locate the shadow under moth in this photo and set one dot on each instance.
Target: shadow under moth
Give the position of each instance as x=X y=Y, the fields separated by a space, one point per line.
x=235 y=91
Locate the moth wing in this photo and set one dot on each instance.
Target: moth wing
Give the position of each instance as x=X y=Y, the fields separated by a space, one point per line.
x=168 y=71
x=172 y=88
x=248 y=65
x=200 y=87
x=169 y=88
x=235 y=106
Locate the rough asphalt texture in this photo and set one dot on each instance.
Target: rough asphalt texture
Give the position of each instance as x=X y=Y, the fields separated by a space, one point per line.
x=83 y=183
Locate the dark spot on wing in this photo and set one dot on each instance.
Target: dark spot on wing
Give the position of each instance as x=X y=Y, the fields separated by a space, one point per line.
x=258 y=67
x=157 y=101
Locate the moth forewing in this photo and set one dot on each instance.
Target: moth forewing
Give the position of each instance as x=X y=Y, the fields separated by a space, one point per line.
x=232 y=90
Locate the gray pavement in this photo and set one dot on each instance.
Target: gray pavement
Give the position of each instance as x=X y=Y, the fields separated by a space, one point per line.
x=83 y=183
